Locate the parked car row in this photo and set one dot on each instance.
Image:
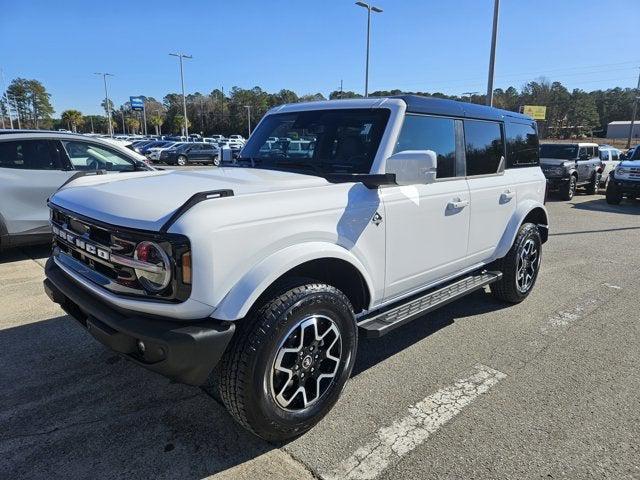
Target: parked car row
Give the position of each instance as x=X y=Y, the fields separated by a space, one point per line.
x=569 y=166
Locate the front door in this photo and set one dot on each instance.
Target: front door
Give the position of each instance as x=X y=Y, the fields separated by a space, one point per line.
x=427 y=225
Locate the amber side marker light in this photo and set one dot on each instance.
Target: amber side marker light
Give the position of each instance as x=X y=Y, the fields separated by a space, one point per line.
x=186 y=268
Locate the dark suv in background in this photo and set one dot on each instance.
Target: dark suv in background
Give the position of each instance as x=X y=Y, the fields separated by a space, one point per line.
x=192 y=152
x=568 y=166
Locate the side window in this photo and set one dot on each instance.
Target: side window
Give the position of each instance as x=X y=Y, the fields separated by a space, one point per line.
x=484 y=147
x=522 y=145
x=582 y=152
x=615 y=155
x=431 y=133
x=88 y=156
x=28 y=155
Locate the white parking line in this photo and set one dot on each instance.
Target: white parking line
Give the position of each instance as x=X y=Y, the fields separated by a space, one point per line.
x=424 y=418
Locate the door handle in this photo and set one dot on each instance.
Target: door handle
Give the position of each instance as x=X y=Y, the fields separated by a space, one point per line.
x=457 y=204
x=506 y=196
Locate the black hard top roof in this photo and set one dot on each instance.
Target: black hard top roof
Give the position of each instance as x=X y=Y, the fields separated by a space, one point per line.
x=441 y=106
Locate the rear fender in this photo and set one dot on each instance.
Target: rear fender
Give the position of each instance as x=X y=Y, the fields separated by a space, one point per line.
x=513 y=226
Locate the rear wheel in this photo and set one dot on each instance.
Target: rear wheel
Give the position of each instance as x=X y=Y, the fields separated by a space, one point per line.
x=568 y=189
x=520 y=266
x=613 y=194
x=216 y=160
x=289 y=361
x=182 y=160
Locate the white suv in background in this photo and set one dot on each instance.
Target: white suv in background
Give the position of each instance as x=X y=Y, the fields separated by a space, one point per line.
x=257 y=279
x=34 y=164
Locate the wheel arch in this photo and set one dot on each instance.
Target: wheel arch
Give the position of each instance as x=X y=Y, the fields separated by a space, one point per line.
x=326 y=263
x=528 y=211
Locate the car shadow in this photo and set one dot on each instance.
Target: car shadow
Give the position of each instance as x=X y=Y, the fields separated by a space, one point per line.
x=23 y=253
x=372 y=351
x=627 y=207
x=69 y=408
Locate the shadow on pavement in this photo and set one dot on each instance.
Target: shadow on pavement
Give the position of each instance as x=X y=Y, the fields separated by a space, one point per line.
x=372 y=351
x=71 y=409
x=627 y=207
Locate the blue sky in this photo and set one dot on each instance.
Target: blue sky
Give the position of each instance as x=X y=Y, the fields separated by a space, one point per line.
x=308 y=47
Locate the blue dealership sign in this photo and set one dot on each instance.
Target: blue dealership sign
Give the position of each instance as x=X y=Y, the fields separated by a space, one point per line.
x=137 y=103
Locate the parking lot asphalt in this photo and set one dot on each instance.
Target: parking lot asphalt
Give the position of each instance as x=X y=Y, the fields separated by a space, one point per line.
x=549 y=388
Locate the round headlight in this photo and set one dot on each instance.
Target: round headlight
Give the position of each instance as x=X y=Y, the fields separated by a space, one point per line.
x=621 y=171
x=158 y=275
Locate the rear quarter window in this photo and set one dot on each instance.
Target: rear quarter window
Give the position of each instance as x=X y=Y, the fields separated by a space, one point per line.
x=523 y=148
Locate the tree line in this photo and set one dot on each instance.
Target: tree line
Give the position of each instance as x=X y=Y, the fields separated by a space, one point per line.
x=569 y=113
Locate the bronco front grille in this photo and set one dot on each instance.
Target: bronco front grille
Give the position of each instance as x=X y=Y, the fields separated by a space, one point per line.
x=98 y=246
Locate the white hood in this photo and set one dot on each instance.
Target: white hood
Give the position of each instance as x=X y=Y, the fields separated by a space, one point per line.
x=146 y=200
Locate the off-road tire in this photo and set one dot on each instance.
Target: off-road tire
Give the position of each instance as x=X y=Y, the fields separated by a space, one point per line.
x=568 y=190
x=592 y=187
x=613 y=195
x=506 y=288
x=246 y=366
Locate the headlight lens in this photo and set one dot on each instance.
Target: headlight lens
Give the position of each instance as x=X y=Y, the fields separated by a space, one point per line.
x=156 y=279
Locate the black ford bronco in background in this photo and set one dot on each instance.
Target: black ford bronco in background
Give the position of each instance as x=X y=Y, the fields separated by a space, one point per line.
x=568 y=166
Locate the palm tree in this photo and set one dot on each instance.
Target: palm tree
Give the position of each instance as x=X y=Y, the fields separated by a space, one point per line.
x=156 y=121
x=133 y=124
x=72 y=118
x=178 y=123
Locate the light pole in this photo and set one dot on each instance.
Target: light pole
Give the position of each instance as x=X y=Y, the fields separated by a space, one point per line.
x=248 y=107
x=106 y=99
x=492 y=58
x=469 y=94
x=184 y=99
x=635 y=111
x=369 y=8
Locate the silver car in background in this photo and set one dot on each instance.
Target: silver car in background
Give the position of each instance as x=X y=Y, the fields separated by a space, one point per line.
x=34 y=164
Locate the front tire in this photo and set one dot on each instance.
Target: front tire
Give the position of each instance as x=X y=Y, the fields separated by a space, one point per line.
x=613 y=195
x=592 y=187
x=568 y=190
x=520 y=266
x=289 y=361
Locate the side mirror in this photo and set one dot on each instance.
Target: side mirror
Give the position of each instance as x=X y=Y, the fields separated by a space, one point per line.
x=413 y=167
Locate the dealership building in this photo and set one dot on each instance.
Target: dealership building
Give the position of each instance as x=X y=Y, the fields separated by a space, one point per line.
x=621 y=129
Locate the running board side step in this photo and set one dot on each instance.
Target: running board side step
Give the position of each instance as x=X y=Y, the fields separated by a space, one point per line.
x=378 y=323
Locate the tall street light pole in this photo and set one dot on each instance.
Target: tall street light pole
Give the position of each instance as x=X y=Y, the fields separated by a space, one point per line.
x=370 y=8
x=184 y=98
x=492 y=58
x=106 y=100
x=248 y=107
x=635 y=112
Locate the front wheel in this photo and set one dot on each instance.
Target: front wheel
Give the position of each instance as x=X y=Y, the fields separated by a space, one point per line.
x=520 y=266
x=289 y=361
x=613 y=195
x=568 y=190
x=592 y=187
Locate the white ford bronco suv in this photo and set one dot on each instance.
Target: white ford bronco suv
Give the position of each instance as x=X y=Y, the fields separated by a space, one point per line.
x=257 y=278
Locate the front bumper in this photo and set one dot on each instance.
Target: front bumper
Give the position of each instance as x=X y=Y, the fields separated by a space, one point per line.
x=627 y=186
x=553 y=183
x=183 y=351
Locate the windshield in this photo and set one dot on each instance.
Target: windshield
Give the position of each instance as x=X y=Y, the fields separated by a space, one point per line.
x=563 y=152
x=320 y=141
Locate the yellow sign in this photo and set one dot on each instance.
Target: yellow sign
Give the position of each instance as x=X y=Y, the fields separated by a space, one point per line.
x=537 y=112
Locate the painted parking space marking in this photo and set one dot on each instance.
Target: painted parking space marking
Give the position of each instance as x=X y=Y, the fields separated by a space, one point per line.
x=423 y=419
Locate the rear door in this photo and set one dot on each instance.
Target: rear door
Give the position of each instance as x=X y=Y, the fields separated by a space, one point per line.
x=492 y=189
x=30 y=171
